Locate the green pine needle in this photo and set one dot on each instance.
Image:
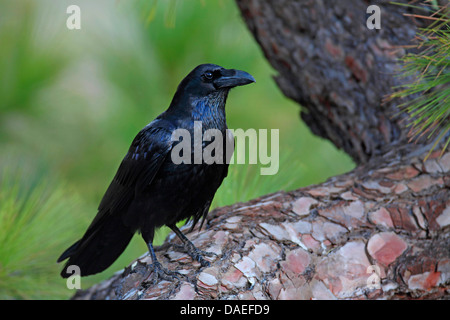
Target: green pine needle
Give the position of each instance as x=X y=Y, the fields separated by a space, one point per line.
x=429 y=112
x=34 y=229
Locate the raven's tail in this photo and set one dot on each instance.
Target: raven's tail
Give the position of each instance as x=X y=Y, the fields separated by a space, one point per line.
x=102 y=244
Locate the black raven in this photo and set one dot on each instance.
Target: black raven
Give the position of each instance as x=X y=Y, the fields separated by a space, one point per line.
x=149 y=190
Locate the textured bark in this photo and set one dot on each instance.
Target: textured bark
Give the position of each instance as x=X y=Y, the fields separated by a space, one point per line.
x=335 y=67
x=390 y=215
x=317 y=242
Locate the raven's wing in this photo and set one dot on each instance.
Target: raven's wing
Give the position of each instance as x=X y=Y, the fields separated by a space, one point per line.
x=108 y=235
x=147 y=153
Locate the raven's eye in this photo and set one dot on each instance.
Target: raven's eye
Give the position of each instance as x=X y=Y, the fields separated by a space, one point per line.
x=208 y=75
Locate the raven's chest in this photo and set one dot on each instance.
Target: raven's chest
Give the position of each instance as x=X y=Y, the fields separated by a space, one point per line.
x=182 y=191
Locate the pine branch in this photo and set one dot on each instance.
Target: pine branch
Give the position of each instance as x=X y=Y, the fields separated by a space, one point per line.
x=430 y=111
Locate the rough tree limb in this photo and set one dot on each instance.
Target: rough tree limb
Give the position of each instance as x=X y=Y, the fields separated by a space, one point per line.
x=335 y=67
x=322 y=241
x=316 y=242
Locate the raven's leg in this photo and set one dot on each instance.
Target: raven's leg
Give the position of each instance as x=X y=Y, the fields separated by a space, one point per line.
x=195 y=253
x=159 y=272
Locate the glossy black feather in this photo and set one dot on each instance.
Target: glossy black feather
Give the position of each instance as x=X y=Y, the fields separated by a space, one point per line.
x=149 y=190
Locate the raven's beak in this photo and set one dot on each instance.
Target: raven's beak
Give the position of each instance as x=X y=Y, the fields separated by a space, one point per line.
x=232 y=78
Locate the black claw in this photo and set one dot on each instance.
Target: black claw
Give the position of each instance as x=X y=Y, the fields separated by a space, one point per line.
x=197 y=254
x=161 y=273
x=191 y=250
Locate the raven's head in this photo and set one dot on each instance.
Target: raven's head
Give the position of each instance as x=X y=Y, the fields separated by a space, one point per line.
x=210 y=79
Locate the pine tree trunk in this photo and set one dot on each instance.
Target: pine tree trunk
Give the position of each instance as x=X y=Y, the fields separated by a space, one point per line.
x=380 y=231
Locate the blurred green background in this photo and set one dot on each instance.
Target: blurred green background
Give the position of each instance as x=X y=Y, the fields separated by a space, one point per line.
x=71 y=101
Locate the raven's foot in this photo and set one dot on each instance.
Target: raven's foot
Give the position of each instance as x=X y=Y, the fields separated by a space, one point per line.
x=160 y=273
x=191 y=250
x=197 y=254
